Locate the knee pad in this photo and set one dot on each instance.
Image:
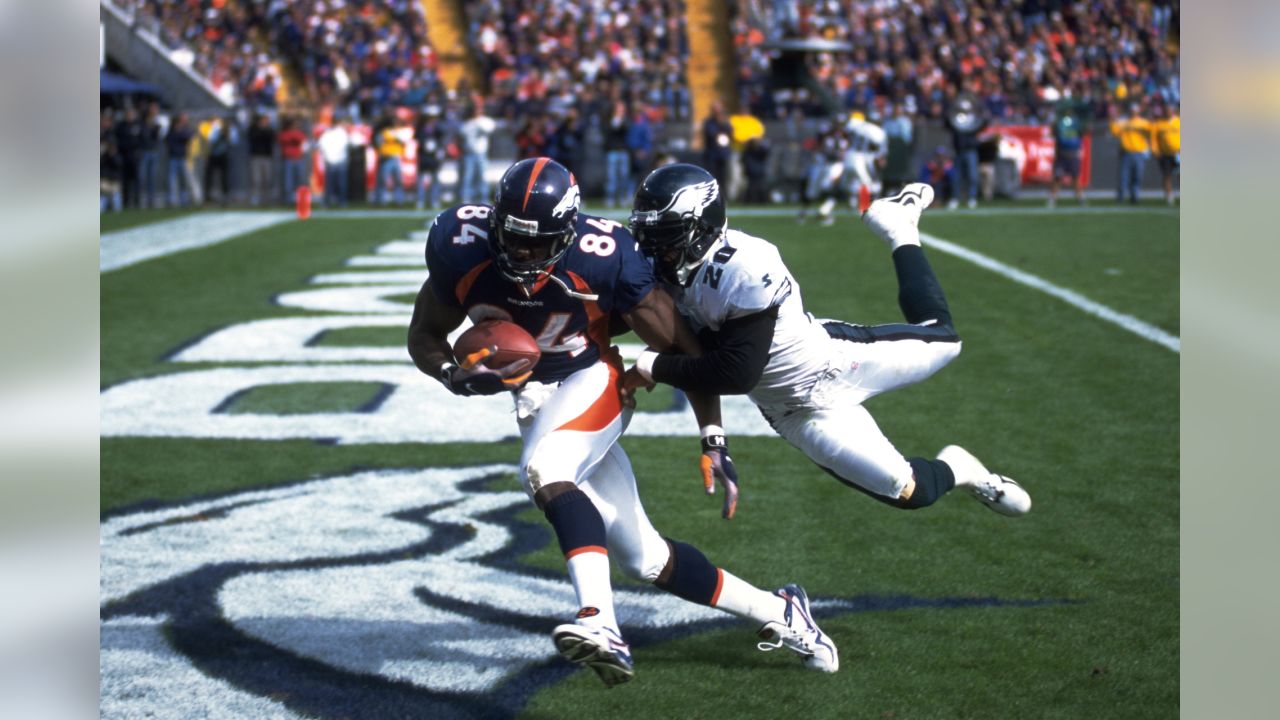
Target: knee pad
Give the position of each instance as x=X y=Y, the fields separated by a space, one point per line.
x=642 y=563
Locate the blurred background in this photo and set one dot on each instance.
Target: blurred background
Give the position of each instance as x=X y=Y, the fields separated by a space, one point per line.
x=418 y=102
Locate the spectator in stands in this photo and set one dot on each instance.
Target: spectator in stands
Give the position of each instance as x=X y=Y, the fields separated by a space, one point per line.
x=223 y=136
x=334 y=144
x=1166 y=140
x=755 y=165
x=176 y=142
x=1068 y=136
x=392 y=140
x=128 y=143
x=966 y=119
x=717 y=144
x=433 y=140
x=531 y=138
x=565 y=145
x=1161 y=14
x=640 y=144
x=262 y=158
x=939 y=172
x=293 y=148
x=1134 y=132
x=110 y=169
x=149 y=155
x=617 y=156
x=474 y=134
x=194 y=165
x=901 y=136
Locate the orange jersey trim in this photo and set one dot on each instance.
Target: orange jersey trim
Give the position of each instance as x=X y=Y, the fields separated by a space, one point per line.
x=585 y=549
x=464 y=285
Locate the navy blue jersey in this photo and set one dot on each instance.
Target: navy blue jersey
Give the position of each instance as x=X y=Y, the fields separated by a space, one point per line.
x=604 y=260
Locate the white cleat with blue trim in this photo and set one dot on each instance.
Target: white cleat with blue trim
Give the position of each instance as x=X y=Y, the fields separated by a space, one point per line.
x=799 y=633
x=599 y=648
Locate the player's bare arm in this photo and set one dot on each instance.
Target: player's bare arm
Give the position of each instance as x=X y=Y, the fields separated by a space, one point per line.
x=429 y=331
x=429 y=347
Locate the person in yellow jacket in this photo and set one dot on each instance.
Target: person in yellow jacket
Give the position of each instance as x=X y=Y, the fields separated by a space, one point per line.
x=1166 y=141
x=1134 y=132
x=391 y=141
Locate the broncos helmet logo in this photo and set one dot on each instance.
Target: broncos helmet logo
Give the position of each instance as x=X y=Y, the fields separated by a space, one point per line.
x=692 y=199
x=569 y=203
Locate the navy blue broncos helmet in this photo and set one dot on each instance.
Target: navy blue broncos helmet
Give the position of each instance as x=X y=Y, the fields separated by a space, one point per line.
x=677 y=216
x=533 y=221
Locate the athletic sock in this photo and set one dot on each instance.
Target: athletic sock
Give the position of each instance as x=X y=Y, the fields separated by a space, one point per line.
x=589 y=571
x=919 y=293
x=581 y=534
x=934 y=479
x=743 y=599
x=695 y=579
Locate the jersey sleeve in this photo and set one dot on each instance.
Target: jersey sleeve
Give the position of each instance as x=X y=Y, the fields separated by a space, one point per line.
x=756 y=284
x=635 y=275
x=440 y=271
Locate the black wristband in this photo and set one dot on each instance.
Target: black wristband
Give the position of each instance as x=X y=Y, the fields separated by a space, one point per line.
x=715 y=442
x=446 y=374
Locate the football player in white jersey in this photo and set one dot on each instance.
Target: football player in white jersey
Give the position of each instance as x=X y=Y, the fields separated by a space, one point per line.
x=868 y=146
x=809 y=377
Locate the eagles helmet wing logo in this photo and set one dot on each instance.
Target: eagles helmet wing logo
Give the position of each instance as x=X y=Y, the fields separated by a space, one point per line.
x=692 y=199
x=569 y=202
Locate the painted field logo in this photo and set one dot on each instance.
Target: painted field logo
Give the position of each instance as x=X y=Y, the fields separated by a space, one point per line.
x=389 y=593
x=378 y=594
x=372 y=297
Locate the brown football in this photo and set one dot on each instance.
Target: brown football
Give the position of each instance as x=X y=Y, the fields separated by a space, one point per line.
x=512 y=341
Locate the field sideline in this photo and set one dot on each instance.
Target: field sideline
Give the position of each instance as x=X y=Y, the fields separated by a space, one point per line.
x=296 y=524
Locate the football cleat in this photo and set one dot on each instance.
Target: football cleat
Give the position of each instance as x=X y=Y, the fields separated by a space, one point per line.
x=799 y=633
x=599 y=648
x=896 y=219
x=995 y=491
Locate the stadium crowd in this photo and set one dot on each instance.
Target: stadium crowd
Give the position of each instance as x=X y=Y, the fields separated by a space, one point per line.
x=1021 y=56
x=361 y=55
x=569 y=79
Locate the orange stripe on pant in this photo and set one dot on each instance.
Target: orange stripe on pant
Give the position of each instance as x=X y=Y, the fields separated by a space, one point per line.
x=715 y=596
x=596 y=549
x=603 y=411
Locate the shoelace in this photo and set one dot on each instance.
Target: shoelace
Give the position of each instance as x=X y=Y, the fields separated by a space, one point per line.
x=783 y=636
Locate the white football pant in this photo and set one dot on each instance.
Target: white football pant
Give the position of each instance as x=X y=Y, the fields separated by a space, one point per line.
x=834 y=430
x=570 y=434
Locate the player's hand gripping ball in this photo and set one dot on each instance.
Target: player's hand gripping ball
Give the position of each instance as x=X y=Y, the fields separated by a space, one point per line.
x=493 y=355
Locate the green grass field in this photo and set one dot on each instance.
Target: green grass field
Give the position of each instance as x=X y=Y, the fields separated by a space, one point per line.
x=1070 y=612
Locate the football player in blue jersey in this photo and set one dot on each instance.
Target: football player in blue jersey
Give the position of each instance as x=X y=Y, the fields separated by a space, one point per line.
x=532 y=258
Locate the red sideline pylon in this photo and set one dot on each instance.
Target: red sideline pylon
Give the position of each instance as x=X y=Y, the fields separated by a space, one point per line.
x=864 y=198
x=304 y=202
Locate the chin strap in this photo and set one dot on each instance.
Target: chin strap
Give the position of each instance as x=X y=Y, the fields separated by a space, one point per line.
x=573 y=293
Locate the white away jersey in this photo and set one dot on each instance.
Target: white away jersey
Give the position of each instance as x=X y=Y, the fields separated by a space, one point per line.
x=866 y=137
x=745 y=275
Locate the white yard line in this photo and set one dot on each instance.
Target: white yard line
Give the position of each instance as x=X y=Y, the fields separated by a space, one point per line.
x=129 y=247
x=1128 y=322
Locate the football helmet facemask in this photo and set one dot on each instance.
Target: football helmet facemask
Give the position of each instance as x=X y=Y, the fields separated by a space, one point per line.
x=534 y=218
x=677 y=216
